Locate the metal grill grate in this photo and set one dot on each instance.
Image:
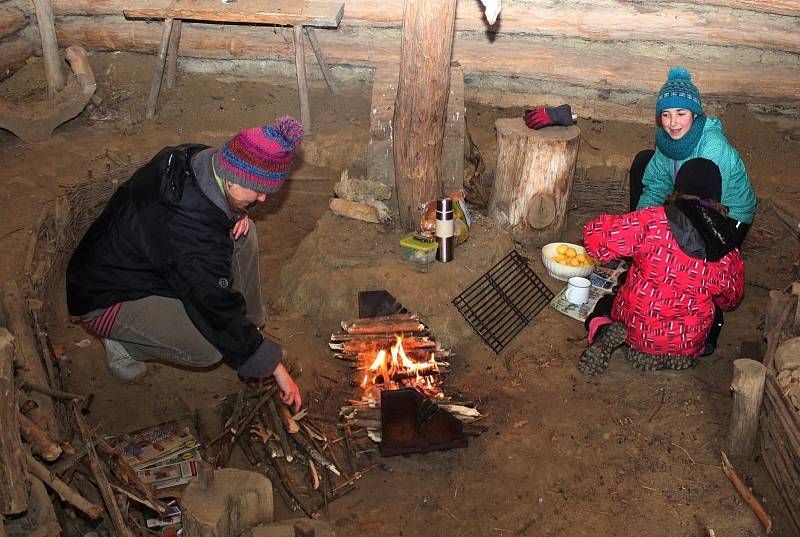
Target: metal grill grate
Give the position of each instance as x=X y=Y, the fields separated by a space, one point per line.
x=504 y=300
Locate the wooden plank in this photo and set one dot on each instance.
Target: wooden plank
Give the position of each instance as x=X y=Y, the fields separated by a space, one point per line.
x=155 y=86
x=608 y=66
x=11 y=21
x=302 y=82
x=312 y=13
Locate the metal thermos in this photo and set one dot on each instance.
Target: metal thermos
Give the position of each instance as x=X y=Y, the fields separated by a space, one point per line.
x=444 y=229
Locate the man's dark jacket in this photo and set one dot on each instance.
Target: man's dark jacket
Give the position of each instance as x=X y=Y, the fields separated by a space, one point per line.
x=160 y=235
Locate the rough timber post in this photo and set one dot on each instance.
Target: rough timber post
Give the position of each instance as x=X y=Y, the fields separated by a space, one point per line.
x=748 y=392
x=421 y=106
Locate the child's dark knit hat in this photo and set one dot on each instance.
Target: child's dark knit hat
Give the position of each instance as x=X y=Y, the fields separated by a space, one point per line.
x=699 y=177
x=259 y=158
x=679 y=92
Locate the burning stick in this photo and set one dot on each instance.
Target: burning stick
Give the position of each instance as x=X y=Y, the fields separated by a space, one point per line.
x=746 y=495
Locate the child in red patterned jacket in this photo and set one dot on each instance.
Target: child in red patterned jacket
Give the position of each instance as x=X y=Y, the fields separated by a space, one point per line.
x=685 y=261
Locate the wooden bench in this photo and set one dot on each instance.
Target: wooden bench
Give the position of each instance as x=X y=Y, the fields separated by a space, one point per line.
x=303 y=16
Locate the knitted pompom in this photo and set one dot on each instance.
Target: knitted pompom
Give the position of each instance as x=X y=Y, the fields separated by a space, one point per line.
x=291 y=130
x=678 y=73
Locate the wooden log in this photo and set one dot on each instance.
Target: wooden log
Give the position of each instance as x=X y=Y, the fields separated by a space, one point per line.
x=725 y=78
x=743 y=22
x=386 y=319
x=11 y=21
x=64 y=491
x=28 y=362
x=41 y=520
x=37 y=439
x=386 y=328
x=52 y=61
x=356 y=210
x=14 y=53
x=748 y=392
x=237 y=501
x=426 y=47
x=533 y=179
x=14 y=484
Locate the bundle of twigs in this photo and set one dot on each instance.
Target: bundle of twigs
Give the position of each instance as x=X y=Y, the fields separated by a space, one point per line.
x=309 y=463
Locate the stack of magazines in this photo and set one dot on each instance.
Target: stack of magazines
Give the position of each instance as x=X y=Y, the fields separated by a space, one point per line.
x=164 y=455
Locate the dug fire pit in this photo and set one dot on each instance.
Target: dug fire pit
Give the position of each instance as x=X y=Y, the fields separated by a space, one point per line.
x=412 y=423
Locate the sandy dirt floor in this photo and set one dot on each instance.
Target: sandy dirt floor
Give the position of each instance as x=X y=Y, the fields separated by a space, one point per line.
x=628 y=453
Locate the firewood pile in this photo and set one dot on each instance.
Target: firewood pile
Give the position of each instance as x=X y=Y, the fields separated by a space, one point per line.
x=390 y=353
x=309 y=462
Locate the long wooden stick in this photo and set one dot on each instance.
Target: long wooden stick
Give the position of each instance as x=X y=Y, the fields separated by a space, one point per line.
x=106 y=492
x=746 y=495
x=64 y=491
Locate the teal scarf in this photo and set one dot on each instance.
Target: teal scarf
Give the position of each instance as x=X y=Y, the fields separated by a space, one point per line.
x=682 y=148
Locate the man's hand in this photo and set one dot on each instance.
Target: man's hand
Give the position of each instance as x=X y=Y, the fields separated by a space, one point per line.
x=290 y=393
x=241 y=227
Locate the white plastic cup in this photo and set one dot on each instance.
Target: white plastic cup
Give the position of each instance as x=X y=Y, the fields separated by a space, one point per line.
x=578 y=290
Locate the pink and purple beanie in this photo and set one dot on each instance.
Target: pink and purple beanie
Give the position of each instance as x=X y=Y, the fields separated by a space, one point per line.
x=260 y=158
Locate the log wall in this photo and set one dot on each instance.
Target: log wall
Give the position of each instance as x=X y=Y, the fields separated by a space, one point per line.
x=606 y=57
x=16 y=46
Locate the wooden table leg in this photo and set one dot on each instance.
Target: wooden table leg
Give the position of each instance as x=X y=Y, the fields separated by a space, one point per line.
x=326 y=73
x=172 y=54
x=302 y=82
x=159 y=73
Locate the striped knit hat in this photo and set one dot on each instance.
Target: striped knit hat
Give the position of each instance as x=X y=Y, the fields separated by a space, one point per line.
x=260 y=158
x=679 y=92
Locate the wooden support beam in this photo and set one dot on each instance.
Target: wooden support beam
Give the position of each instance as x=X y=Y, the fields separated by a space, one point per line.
x=302 y=81
x=172 y=53
x=155 y=87
x=421 y=104
x=14 y=484
x=52 y=61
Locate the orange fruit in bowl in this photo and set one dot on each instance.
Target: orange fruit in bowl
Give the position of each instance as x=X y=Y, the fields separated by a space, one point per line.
x=561 y=249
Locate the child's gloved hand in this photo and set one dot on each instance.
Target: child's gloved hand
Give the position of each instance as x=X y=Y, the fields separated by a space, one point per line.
x=546 y=117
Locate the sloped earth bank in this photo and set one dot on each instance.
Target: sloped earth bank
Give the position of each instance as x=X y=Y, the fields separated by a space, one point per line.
x=628 y=453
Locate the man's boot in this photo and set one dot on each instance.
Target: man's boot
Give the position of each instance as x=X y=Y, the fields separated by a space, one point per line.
x=120 y=362
x=594 y=359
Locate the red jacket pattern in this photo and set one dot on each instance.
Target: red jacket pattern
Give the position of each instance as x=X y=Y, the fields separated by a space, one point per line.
x=668 y=300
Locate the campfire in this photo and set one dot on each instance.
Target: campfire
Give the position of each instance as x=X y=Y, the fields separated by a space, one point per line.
x=398 y=371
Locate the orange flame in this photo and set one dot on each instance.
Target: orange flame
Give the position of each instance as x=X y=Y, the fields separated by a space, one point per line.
x=395 y=370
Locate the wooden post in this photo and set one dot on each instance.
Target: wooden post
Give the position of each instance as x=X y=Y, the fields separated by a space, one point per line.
x=748 y=391
x=302 y=81
x=172 y=53
x=421 y=105
x=533 y=179
x=155 y=87
x=14 y=484
x=326 y=72
x=52 y=61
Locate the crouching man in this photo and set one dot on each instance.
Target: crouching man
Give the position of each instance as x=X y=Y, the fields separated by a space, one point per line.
x=169 y=270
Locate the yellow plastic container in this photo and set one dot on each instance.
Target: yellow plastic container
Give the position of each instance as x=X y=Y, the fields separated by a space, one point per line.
x=417 y=251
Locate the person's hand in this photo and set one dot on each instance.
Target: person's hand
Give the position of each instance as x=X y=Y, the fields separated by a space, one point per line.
x=290 y=393
x=241 y=227
x=545 y=117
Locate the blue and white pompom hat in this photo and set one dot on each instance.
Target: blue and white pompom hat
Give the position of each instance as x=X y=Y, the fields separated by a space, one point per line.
x=679 y=92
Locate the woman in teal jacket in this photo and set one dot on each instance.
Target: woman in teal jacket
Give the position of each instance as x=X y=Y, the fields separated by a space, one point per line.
x=686 y=133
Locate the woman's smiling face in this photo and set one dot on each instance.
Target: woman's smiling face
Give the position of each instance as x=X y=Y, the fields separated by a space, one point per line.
x=677 y=121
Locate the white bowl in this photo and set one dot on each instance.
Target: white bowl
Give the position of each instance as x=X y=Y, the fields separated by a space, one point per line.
x=559 y=271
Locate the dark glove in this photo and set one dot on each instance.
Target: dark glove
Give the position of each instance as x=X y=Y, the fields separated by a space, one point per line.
x=546 y=117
